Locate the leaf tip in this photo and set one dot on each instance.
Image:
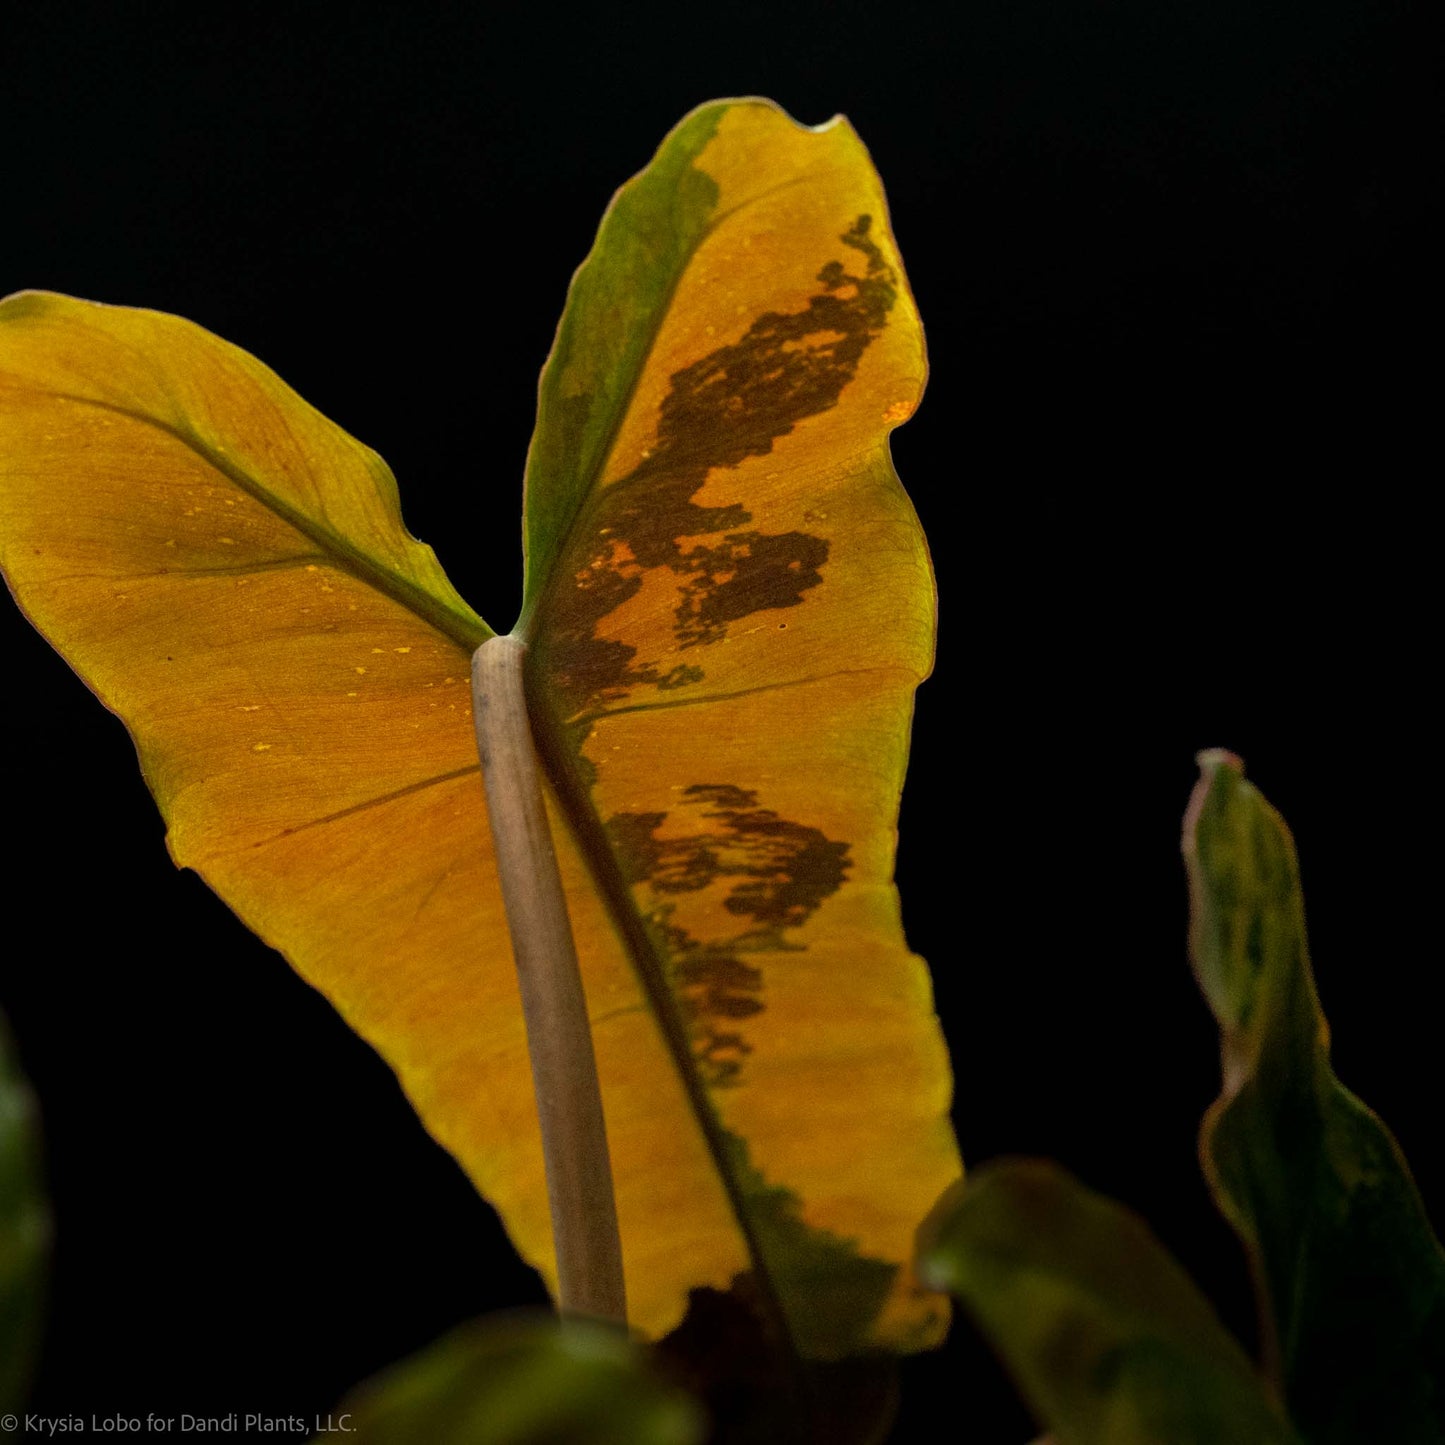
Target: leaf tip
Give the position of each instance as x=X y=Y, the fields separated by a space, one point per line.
x=24 y=303
x=1211 y=762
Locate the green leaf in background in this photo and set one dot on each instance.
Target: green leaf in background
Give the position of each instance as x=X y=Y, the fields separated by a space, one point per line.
x=1106 y=1336
x=24 y=1231
x=522 y=1380
x=1350 y=1277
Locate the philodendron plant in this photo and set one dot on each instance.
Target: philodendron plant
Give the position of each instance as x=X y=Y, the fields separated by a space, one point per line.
x=710 y=1101
x=670 y=791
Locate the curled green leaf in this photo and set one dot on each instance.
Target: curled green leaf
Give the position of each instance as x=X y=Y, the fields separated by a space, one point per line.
x=1350 y=1276
x=1108 y=1339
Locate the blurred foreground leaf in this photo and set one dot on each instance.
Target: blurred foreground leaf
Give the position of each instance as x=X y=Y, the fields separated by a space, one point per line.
x=522 y=1380
x=1107 y=1338
x=1350 y=1277
x=24 y=1231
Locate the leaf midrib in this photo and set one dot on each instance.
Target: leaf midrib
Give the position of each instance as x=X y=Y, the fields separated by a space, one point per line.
x=587 y=828
x=360 y=564
x=587 y=831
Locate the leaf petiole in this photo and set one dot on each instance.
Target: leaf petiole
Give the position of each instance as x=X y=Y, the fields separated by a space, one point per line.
x=559 y=1034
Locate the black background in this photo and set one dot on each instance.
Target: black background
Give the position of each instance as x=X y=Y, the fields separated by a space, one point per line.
x=1179 y=266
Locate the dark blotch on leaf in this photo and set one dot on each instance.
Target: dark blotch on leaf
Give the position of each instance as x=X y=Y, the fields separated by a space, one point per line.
x=778 y=873
x=728 y=406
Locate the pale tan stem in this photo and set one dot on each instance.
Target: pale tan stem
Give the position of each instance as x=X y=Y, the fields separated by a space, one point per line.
x=559 y=1036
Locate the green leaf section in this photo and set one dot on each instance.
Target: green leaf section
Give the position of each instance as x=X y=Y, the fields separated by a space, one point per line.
x=1351 y=1278
x=615 y=305
x=824 y=1285
x=24 y=1231
x=1108 y=1339
x=522 y=1380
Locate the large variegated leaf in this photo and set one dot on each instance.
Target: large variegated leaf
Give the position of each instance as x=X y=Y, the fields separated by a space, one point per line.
x=729 y=604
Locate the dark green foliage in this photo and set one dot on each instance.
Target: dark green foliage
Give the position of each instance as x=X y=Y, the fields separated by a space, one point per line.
x=1107 y=1338
x=1351 y=1278
x=1110 y=1342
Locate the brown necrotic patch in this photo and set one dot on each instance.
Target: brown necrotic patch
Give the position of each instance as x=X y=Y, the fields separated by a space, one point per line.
x=774 y=873
x=730 y=405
